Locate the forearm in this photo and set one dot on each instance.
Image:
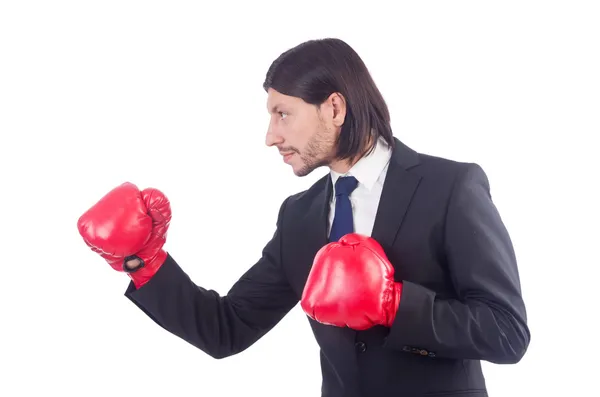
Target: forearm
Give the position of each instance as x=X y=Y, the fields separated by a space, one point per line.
x=471 y=329
x=220 y=326
x=201 y=317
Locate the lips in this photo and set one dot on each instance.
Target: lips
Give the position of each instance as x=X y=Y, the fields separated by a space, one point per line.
x=287 y=156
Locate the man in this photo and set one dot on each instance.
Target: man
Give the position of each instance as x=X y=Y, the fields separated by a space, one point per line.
x=400 y=260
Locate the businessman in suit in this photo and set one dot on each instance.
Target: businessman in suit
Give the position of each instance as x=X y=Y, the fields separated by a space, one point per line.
x=430 y=284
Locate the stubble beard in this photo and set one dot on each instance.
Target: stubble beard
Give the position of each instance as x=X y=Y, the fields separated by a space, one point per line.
x=318 y=152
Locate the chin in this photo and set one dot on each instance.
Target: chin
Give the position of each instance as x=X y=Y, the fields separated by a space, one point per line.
x=303 y=170
x=301 y=173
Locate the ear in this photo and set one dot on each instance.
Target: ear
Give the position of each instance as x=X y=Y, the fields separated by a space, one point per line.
x=336 y=104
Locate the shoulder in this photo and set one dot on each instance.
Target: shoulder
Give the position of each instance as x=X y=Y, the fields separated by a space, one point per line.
x=438 y=178
x=440 y=167
x=452 y=172
x=436 y=170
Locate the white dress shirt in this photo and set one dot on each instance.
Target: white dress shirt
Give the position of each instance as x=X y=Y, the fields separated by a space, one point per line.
x=370 y=171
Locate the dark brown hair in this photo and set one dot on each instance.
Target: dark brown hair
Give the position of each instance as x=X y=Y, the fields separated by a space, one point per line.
x=315 y=69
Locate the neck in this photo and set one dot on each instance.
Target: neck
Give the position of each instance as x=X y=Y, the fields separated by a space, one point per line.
x=343 y=166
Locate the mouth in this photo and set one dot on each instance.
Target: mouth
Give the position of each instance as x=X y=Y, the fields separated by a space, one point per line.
x=287 y=156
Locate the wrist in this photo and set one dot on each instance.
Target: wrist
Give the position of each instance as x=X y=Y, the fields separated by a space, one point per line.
x=396 y=295
x=132 y=264
x=146 y=269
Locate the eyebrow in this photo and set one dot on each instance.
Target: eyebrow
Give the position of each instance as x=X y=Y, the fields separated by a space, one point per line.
x=275 y=108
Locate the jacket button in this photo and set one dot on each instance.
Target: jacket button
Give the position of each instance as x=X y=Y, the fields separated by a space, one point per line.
x=361 y=346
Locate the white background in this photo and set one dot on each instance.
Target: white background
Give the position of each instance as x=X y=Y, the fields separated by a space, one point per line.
x=168 y=94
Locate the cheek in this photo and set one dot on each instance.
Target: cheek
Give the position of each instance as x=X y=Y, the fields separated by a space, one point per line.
x=299 y=130
x=295 y=132
x=306 y=130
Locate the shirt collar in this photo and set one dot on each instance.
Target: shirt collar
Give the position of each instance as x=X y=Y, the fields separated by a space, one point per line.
x=369 y=168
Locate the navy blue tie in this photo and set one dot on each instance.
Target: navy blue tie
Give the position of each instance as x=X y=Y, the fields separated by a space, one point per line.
x=343 y=222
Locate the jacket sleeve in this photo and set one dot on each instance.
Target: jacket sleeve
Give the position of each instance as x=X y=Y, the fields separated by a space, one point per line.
x=220 y=326
x=487 y=320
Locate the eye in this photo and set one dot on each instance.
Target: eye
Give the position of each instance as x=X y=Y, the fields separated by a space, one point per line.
x=283 y=115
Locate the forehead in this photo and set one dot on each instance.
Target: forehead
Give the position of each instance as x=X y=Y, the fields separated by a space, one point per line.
x=277 y=101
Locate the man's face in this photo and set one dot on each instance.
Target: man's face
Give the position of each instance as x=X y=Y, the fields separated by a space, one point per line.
x=304 y=134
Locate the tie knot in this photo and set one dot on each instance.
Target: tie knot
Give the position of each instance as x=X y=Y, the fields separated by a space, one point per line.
x=345 y=185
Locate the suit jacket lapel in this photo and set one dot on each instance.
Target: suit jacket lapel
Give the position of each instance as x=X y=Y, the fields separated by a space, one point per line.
x=311 y=232
x=398 y=190
x=317 y=216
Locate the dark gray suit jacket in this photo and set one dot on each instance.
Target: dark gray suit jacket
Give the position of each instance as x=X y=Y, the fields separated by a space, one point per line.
x=461 y=301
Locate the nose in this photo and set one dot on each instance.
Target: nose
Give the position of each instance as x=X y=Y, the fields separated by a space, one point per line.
x=272 y=138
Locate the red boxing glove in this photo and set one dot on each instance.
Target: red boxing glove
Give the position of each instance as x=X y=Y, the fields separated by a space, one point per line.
x=126 y=224
x=352 y=284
